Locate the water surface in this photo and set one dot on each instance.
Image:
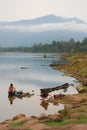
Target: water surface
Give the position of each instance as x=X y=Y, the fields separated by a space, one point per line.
x=29 y=72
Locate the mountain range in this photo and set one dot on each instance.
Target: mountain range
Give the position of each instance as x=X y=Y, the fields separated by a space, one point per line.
x=43 y=29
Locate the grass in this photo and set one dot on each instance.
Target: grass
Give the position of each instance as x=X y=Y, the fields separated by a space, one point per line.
x=82 y=117
x=81 y=121
x=64 y=113
x=85 y=88
x=83 y=72
x=77 y=65
x=17 y=124
x=78 y=121
x=57 y=123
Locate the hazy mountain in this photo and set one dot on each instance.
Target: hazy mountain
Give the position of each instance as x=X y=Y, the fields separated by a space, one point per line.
x=41 y=30
x=45 y=19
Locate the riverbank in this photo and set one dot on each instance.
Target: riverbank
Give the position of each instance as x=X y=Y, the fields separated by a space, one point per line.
x=74 y=115
x=76 y=67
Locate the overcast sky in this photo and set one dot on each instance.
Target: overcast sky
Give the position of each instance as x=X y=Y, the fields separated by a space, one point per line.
x=12 y=10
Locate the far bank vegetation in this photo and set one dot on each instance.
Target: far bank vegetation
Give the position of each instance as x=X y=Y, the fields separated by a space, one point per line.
x=70 y=46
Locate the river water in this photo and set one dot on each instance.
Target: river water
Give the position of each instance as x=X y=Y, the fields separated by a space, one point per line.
x=27 y=72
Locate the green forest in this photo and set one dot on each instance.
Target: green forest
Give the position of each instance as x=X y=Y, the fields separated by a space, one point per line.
x=71 y=46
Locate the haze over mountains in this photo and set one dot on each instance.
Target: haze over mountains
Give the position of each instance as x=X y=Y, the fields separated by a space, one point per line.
x=41 y=30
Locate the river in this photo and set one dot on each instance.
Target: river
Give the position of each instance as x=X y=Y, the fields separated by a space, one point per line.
x=27 y=72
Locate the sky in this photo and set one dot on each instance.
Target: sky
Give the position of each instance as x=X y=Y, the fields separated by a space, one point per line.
x=12 y=10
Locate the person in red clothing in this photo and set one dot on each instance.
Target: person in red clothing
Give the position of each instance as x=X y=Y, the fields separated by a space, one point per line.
x=11 y=90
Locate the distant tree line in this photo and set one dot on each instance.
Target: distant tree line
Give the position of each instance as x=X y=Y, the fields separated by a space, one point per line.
x=55 y=47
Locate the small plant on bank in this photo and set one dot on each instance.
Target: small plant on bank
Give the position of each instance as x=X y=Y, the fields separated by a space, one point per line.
x=85 y=88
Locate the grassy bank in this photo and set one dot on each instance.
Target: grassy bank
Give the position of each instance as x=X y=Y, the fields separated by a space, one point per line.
x=77 y=65
x=75 y=111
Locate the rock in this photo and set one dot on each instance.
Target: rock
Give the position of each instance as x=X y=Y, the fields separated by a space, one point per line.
x=43 y=118
x=49 y=118
x=55 y=117
x=25 y=94
x=80 y=89
x=75 y=127
x=23 y=67
x=84 y=81
x=68 y=107
x=19 y=116
x=4 y=127
x=35 y=124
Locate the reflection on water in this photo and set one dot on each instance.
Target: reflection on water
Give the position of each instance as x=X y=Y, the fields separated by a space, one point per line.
x=37 y=75
x=11 y=99
x=20 y=95
x=44 y=104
